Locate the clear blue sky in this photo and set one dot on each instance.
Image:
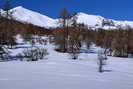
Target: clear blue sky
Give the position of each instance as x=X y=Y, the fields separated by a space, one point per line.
x=114 y=9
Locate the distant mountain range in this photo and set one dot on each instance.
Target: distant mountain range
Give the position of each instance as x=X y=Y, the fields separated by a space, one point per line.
x=94 y=21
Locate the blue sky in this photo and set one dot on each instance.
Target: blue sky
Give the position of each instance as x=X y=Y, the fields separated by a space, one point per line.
x=114 y=9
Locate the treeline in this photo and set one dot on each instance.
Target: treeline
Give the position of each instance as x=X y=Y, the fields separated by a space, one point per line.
x=9 y=28
x=116 y=42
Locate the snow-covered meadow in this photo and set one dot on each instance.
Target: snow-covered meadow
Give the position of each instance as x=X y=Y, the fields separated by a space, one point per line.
x=59 y=71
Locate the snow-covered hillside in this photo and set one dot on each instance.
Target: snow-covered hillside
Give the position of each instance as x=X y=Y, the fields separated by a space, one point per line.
x=28 y=16
x=124 y=24
x=90 y=20
x=58 y=71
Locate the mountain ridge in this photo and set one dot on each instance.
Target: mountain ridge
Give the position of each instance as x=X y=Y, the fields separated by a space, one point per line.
x=94 y=21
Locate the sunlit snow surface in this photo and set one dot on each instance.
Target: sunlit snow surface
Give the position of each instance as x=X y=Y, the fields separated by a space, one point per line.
x=28 y=16
x=58 y=71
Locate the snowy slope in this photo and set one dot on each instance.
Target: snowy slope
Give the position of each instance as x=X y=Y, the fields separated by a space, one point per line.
x=61 y=72
x=124 y=23
x=90 y=20
x=28 y=16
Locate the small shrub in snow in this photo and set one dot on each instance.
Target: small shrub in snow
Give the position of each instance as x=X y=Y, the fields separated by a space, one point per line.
x=33 y=54
x=4 y=56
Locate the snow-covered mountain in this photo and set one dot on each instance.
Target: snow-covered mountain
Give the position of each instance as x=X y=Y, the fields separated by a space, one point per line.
x=28 y=16
x=95 y=21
